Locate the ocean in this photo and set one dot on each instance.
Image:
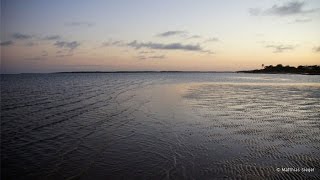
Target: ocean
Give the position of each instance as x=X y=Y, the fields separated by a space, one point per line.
x=160 y=126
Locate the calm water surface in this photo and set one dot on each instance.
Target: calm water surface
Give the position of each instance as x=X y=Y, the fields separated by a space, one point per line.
x=159 y=126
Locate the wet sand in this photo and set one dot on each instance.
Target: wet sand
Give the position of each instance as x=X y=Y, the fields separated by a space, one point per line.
x=242 y=130
x=159 y=127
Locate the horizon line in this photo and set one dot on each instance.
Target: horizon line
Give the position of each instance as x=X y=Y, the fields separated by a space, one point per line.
x=142 y=71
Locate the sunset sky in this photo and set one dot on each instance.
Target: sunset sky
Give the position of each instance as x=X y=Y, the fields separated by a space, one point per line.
x=204 y=35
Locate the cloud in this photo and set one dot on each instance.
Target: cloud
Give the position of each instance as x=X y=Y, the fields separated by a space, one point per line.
x=160 y=46
x=302 y=20
x=44 y=53
x=6 y=43
x=21 y=36
x=63 y=53
x=52 y=37
x=79 y=23
x=68 y=45
x=141 y=57
x=30 y=44
x=172 y=33
x=113 y=43
x=146 y=52
x=290 y=8
x=194 y=37
x=172 y=46
x=280 y=48
x=317 y=49
x=36 y=58
x=157 y=57
x=208 y=51
x=212 y=40
x=151 y=57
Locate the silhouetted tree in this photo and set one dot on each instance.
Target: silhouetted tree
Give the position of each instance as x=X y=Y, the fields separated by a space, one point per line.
x=315 y=69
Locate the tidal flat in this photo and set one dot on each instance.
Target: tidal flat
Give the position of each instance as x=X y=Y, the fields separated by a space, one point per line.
x=159 y=126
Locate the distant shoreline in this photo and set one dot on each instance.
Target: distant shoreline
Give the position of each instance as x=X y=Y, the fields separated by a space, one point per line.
x=147 y=72
x=279 y=69
x=250 y=72
x=119 y=72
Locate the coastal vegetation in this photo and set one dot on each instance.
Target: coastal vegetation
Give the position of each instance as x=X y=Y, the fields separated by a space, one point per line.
x=280 y=69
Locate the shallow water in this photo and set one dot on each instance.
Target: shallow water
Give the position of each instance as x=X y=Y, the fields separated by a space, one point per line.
x=159 y=126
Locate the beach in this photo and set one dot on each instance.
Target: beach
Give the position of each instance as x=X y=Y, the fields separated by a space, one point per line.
x=160 y=126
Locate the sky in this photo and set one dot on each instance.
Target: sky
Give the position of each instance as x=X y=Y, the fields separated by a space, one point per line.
x=41 y=36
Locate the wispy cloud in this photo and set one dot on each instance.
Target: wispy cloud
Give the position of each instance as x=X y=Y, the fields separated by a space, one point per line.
x=21 y=36
x=158 y=46
x=172 y=33
x=44 y=54
x=151 y=57
x=146 y=52
x=172 y=46
x=212 y=40
x=52 y=37
x=141 y=57
x=302 y=20
x=194 y=37
x=60 y=54
x=157 y=57
x=280 y=48
x=67 y=45
x=113 y=43
x=64 y=55
x=289 y=8
x=30 y=44
x=36 y=58
x=6 y=43
x=208 y=52
x=80 y=24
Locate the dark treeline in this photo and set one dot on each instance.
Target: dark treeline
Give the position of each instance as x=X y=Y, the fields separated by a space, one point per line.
x=280 y=69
